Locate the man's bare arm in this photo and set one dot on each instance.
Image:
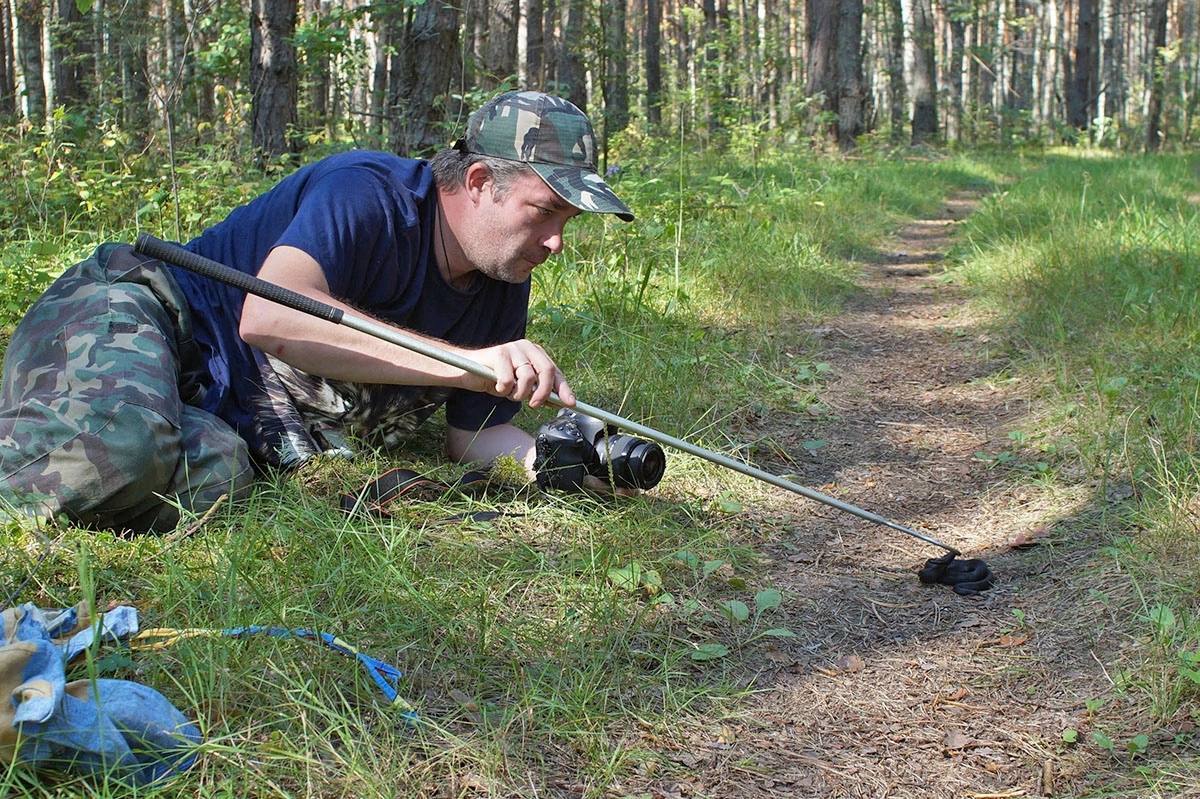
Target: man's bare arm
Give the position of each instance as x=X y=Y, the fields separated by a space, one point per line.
x=523 y=370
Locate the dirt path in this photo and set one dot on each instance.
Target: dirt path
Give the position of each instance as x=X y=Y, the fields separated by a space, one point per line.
x=891 y=688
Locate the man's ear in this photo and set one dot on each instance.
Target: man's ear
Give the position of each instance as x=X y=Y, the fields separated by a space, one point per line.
x=477 y=180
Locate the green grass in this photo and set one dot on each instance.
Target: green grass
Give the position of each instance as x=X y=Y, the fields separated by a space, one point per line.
x=535 y=645
x=1091 y=265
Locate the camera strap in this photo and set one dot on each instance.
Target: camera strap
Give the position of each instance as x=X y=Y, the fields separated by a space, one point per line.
x=378 y=495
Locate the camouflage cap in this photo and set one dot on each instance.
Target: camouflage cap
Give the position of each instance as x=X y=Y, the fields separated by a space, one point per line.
x=551 y=135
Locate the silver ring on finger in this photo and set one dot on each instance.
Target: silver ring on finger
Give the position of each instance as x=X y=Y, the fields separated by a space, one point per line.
x=525 y=363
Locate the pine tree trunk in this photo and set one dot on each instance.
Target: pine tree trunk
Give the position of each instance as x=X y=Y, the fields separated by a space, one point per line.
x=8 y=89
x=709 y=75
x=316 y=68
x=430 y=73
x=1189 y=68
x=272 y=75
x=957 y=49
x=849 y=73
x=383 y=23
x=985 y=71
x=130 y=37
x=616 y=78
x=500 y=44
x=1082 y=87
x=572 y=81
x=1020 y=80
x=923 y=80
x=822 y=52
x=68 y=53
x=531 y=24
x=29 y=54
x=653 y=63
x=897 y=85
x=1155 y=82
x=197 y=90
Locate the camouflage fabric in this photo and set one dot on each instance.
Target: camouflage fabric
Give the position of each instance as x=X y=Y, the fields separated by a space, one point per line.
x=94 y=420
x=554 y=137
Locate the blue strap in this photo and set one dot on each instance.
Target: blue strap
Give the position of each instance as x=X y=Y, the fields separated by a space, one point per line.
x=386 y=676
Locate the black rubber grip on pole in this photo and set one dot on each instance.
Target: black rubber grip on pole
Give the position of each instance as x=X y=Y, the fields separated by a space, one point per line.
x=207 y=267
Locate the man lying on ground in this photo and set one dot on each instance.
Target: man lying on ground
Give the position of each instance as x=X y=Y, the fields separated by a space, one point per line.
x=132 y=388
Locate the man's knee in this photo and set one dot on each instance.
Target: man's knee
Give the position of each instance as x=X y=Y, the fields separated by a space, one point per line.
x=214 y=461
x=94 y=466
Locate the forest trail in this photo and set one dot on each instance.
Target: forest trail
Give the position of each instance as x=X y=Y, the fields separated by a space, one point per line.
x=890 y=687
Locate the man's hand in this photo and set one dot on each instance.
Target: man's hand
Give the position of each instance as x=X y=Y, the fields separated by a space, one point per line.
x=524 y=372
x=484 y=446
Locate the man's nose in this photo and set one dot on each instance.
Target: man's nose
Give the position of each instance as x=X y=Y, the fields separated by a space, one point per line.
x=554 y=242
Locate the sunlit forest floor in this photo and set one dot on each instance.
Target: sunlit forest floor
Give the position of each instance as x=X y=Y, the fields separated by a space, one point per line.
x=999 y=348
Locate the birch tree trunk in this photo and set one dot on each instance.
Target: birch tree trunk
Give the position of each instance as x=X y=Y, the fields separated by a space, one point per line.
x=28 y=19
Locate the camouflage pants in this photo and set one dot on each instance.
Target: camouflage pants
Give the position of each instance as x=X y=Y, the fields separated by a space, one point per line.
x=94 y=420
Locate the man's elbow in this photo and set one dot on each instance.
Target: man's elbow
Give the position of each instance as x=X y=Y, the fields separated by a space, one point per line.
x=458 y=445
x=255 y=326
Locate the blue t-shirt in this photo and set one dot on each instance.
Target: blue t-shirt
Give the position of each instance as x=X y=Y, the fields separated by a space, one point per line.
x=367 y=219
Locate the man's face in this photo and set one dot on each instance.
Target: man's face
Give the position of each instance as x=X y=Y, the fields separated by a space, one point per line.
x=511 y=235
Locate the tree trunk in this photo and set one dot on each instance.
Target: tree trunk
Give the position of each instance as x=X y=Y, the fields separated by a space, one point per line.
x=923 y=80
x=500 y=44
x=709 y=76
x=1083 y=71
x=1189 y=68
x=1021 y=73
x=316 y=74
x=131 y=47
x=653 y=63
x=8 y=89
x=1158 y=66
x=897 y=85
x=822 y=50
x=957 y=49
x=616 y=78
x=534 y=57
x=572 y=80
x=849 y=73
x=68 y=53
x=383 y=22
x=430 y=73
x=197 y=88
x=29 y=54
x=272 y=75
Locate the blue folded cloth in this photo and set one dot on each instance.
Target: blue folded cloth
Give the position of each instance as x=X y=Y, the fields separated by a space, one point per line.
x=115 y=727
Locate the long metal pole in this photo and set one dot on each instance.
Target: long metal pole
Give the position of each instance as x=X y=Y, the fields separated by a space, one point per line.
x=174 y=254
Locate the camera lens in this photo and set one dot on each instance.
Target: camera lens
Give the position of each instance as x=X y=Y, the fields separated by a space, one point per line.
x=634 y=462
